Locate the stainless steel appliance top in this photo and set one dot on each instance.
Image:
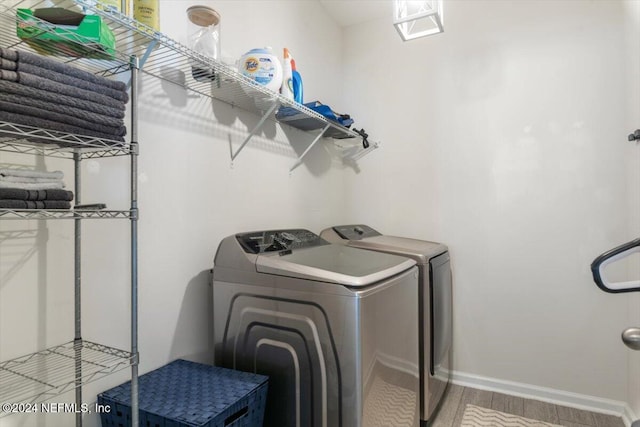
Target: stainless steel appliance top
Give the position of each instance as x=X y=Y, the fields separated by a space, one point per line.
x=302 y=254
x=365 y=237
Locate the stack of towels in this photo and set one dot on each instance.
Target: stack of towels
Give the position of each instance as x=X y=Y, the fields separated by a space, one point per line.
x=40 y=92
x=27 y=189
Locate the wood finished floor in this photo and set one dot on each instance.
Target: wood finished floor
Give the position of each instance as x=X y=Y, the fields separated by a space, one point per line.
x=457 y=397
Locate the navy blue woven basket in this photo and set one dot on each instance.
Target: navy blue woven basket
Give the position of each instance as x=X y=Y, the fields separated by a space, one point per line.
x=185 y=393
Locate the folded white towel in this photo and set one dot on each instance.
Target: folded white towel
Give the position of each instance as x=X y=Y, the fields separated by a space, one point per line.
x=31 y=173
x=32 y=186
x=29 y=180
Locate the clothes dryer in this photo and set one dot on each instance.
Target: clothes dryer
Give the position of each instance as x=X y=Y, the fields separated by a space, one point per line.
x=434 y=295
x=335 y=328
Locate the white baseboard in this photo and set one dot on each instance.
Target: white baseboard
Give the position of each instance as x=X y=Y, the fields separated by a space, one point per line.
x=557 y=397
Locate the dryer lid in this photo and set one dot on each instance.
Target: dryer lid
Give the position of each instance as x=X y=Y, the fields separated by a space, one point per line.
x=420 y=250
x=334 y=264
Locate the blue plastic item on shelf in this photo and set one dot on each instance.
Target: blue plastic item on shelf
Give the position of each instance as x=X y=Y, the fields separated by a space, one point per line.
x=188 y=394
x=295 y=118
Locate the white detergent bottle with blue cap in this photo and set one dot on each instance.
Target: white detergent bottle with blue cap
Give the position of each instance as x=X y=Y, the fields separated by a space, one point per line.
x=287 y=76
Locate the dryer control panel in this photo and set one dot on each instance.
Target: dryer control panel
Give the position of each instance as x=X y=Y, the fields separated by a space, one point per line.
x=355 y=231
x=258 y=242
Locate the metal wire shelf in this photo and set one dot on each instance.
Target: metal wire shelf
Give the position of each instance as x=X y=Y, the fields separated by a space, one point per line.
x=170 y=60
x=167 y=59
x=42 y=375
x=63 y=214
x=94 y=64
x=30 y=140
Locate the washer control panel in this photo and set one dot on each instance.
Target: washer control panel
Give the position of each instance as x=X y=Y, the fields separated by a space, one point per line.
x=355 y=231
x=258 y=242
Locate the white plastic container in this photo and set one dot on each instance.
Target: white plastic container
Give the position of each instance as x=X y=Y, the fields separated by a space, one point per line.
x=263 y=67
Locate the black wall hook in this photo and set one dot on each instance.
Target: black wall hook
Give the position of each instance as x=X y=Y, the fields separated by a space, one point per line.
x=635 y=136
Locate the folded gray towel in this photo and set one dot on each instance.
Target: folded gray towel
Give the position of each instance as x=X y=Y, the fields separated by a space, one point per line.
x=78 y=113
x=32 y=186
x=26 y=204
x=58 y=195
x=62 y=89
x=28 y=173
x=35 y=195
x=21 y=67
x=59 y=67
x=21 y=194
x=22 y=119
x=62 y=118
x=43 y=95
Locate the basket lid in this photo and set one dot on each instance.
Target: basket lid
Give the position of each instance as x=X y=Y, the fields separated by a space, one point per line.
x=203 y=16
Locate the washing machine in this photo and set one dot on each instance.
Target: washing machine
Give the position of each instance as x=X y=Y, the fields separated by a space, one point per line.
x=335 y=328
x=434 y=295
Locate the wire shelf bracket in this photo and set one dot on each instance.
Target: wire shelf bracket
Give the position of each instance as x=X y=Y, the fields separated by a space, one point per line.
x=255 y=129
x=316 y=139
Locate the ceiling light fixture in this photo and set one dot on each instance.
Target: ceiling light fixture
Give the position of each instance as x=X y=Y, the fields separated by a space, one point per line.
x=415 y=19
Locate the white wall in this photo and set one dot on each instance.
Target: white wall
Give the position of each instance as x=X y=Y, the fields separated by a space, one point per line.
x=632 y=27
x=190 y=198
x=505 y=138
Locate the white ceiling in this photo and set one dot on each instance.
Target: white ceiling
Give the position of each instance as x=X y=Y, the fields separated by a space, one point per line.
x=351 y=12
